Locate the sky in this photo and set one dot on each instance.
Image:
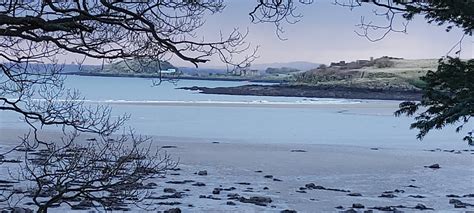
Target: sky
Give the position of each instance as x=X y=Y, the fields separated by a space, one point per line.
x=326 y=33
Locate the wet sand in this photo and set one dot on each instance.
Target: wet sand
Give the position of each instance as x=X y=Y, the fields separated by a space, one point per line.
x=363 y=170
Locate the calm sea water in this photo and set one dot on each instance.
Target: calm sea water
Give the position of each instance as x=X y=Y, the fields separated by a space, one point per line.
x=335 y=124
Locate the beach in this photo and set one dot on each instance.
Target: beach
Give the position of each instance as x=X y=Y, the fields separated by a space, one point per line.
x=340 y=170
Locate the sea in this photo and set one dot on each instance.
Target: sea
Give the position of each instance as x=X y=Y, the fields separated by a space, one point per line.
x=164 y=111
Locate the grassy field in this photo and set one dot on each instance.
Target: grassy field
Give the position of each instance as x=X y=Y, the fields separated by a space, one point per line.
x=398 y=73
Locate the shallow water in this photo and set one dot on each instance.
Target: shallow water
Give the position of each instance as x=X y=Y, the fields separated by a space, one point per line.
x=337 y=122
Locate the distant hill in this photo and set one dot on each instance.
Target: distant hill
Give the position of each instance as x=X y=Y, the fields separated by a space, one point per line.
x=299 y=65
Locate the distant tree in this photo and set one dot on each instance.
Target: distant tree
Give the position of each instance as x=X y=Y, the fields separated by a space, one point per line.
x=448 y=98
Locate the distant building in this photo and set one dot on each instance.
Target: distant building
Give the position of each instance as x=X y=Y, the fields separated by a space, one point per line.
x=168 y=71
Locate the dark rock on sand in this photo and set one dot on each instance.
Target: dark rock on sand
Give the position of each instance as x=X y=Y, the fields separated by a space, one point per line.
x=369 y=211
x=300 y=191
x=468 y=195
x=349 y=211
x=259 y=171
x=385 y=208
x=357 y=206
x=216 y=191
x=180 y=182
x=230 y=203
x=257 y=200
x=388 y=195
x=416 y=196
x=265 y=188
x=164 y=197
x=216 y=142
x=339 y=207
x=288 y=211
x=243 y=183
x=199 y=184
x=412 y=186
x=298 y=150
x=233 y=196
x=452 y=195
x=268 y=176
x=276 y=179
x=459 y=204
x=354 y=194
x=394 y=191
x=202 y=173
x=433 y=166
x=21 y=210
x=169 y=190
x=169 y=147
x=175 y=210
x=420 y=206
x=169 y=203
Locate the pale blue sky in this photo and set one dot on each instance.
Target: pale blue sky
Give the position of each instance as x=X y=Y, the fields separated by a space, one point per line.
x=326 y=33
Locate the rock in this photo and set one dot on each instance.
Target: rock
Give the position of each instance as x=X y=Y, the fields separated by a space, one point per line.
x=152 y=184
x=369 y=211
x=288 y=211
x=413 y=186
x=339 y=207
x=230 y=203
x=420 y=206
x=164 y=197
x=298 y=150
x=202 y=173
x=354 y=194
x=388 y=195
x=257 y=200
x=276 y=179
x=452 y=195
x=459 y=205
x=416 y=196
x=454 y=201
x=433 y=166
x=268 y=176
x=21 y=210
x=216 y=142
x=358 y=206
x=243 y=183
x=216 y=191
x=385 y=208
x=468 y=195
x=168 y=147
x=169 y=190
x=265 y=188
x=180 y=182
x=175 y=210
x=169 y=203
x=233 y=196
x=300 y=191
x=199 y=184
x=259 y=171
x=374 y=148
x=349 y=211
x=202 y=196
x=310 y=185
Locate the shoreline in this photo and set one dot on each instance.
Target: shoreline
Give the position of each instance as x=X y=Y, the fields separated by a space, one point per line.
x=339 y=92
x=114 y=75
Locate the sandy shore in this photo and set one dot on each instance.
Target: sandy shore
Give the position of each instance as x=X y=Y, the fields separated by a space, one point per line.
x=363 y=170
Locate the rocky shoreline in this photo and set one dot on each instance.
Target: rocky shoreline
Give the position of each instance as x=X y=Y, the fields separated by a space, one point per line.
x=326 y=91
